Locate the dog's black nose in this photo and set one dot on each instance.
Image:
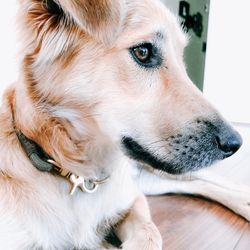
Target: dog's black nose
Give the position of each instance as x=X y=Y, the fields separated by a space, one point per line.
x=229 y=141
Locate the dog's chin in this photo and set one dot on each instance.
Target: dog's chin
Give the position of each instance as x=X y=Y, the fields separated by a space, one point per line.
x=175 y=167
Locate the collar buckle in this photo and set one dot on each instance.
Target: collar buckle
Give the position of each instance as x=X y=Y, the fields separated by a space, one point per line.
x=86 y=185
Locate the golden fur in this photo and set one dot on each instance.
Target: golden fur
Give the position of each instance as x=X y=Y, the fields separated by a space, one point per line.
x=78 y=94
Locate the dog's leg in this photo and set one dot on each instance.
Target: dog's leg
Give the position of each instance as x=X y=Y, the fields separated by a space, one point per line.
x=137 y=231
x=234 y=196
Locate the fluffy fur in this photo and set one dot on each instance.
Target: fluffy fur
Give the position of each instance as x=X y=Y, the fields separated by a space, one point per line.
x=79 y=94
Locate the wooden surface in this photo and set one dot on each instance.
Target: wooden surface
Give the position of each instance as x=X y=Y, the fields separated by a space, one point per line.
x=191 y=223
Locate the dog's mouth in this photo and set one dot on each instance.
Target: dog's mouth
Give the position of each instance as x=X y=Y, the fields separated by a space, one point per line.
x=185 y=152
x=137 y=152
x=175 y=163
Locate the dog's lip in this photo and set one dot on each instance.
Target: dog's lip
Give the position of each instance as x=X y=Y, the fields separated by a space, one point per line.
x=137 y=152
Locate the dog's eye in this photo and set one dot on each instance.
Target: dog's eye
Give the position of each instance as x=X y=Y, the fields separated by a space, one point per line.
x=146 y=55
x=142 y=53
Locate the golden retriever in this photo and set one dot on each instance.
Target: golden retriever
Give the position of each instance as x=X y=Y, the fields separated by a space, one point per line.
x=102 y=87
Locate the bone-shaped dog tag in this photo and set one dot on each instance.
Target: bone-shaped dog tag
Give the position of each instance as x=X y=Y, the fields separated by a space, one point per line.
x=79 y=181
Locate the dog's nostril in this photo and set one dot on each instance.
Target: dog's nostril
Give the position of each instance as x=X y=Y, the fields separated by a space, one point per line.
x=229 y=143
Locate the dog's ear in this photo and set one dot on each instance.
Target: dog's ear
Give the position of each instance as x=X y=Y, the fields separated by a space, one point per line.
x=101 y=19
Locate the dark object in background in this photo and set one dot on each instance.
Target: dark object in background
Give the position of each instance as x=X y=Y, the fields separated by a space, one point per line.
x=194 y=22
x=184 y=9
x=204 y=47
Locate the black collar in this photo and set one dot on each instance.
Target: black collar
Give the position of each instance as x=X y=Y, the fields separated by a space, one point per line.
x=36 y=154
x=44 y=163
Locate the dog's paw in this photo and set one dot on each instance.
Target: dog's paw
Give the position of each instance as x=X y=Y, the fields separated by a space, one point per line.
x=147 y=238
x=239 y=201
x=234 y=196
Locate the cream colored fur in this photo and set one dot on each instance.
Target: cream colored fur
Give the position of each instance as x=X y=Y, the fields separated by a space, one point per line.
x=79 y=92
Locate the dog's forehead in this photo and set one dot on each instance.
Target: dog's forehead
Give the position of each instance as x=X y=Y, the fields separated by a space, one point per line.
x=151 y=20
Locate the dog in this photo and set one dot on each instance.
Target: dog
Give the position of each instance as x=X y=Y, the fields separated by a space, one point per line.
x=102 y=91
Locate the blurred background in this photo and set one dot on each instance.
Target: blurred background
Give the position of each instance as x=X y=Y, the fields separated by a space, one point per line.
x=217 y=57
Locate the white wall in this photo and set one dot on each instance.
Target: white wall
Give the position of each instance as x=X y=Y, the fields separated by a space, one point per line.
x=8 y=44
x=227 y=77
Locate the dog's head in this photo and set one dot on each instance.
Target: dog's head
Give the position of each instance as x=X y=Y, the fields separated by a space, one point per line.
x=122 y=63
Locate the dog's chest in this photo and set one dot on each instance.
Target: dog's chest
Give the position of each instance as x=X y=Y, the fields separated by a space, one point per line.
x=80 y=221
x=102 y=211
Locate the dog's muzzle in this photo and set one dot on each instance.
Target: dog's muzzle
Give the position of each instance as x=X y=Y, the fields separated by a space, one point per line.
x=197 y=146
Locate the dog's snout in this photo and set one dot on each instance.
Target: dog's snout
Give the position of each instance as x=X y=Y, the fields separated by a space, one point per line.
x=229 y=142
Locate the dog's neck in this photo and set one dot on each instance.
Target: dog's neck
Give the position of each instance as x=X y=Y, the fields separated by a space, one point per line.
x=83 y=154
x=42 y=162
